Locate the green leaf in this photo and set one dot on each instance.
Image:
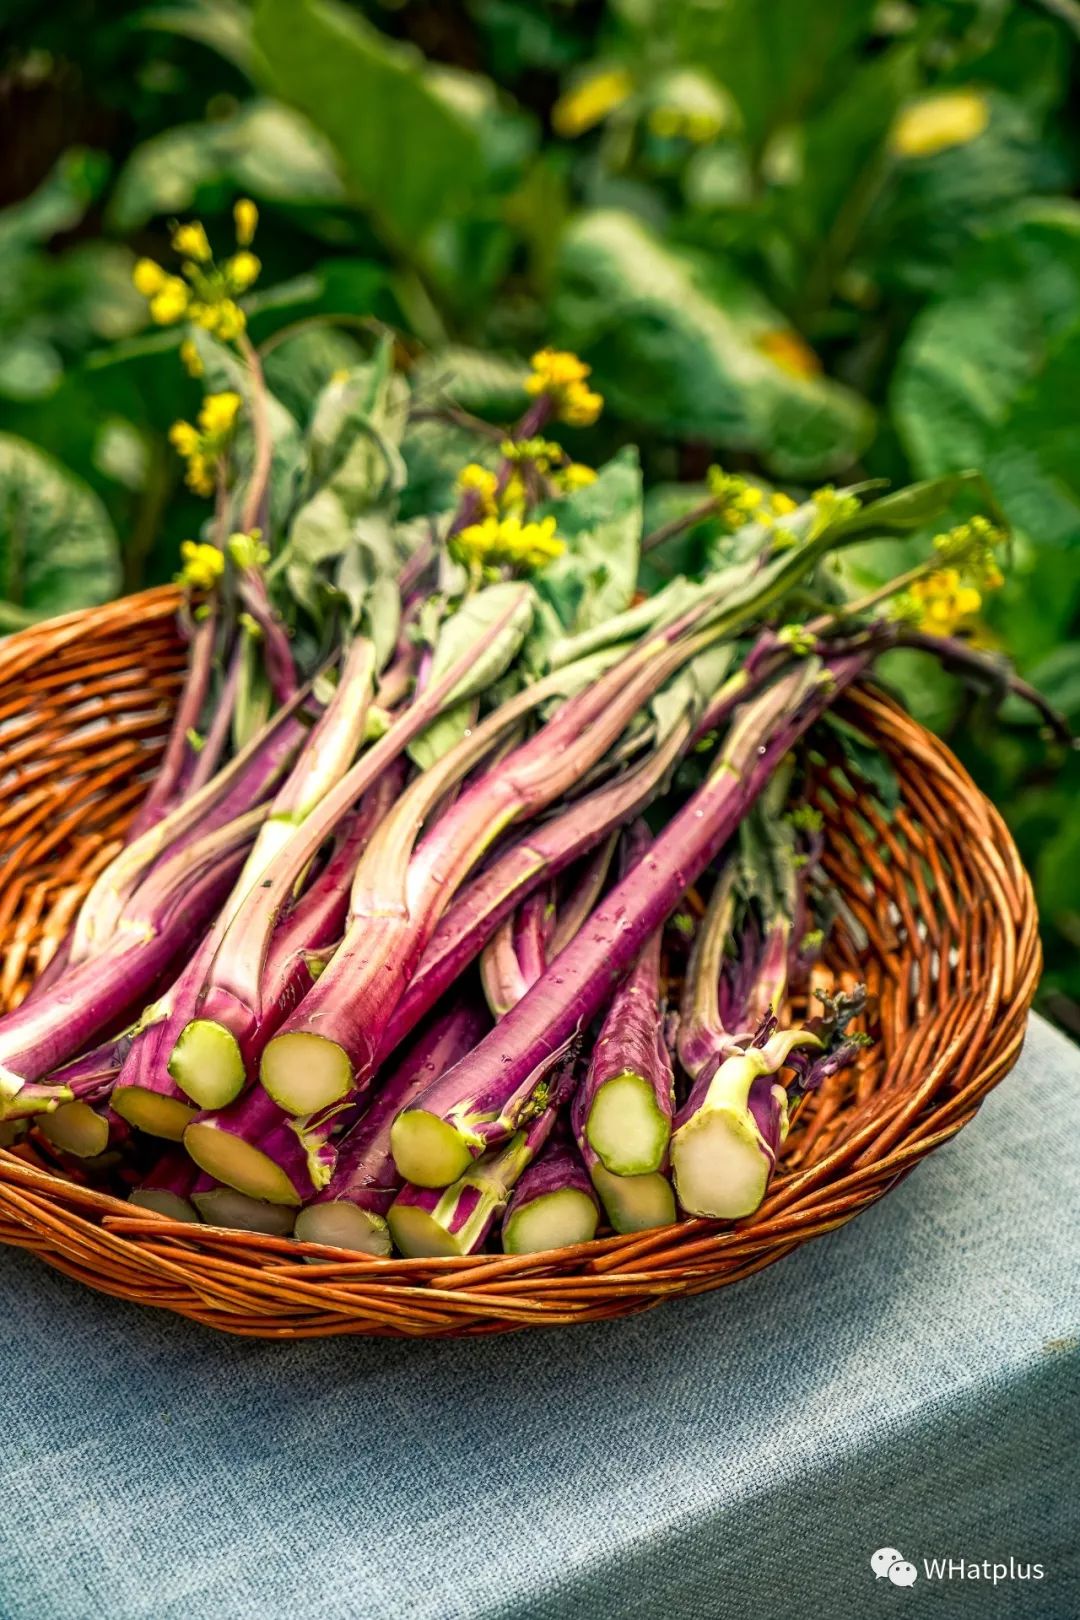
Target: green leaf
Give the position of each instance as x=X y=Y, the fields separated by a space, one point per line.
x=866 y=762
x=512 y=600
x=411 y=154
x=266 y=149
x=686 y=348
x=223 y=25
x=601 y=525
x=58 y=550
x=982 y=376
x=776 y=59
x=299 y=367
x=486 y=385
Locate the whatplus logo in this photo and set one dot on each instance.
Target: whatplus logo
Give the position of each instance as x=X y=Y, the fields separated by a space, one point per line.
x=889 y=1564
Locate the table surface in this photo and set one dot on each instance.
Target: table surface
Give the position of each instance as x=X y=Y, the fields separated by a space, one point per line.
x=911 y=1381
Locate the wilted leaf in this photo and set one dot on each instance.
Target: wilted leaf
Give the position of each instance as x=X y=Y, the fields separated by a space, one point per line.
x=690 y=348
x=58 y=550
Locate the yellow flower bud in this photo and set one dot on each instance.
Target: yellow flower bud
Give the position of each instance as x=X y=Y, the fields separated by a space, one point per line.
x=190 y=242
x=170 y=303
x=184 y=438
x=590 y=101
x=190 y=358
x=246 y=219
x=148 y=277
x=218 y=414
x=242 y=271
x=203 y=565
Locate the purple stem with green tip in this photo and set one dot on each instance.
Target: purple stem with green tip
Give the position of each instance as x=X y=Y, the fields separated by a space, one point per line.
x=479 y=1101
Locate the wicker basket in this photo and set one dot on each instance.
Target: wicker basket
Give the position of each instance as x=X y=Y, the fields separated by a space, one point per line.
x=952 y=961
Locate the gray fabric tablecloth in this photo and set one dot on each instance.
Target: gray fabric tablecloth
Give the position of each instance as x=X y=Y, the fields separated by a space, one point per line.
x=910 y=1383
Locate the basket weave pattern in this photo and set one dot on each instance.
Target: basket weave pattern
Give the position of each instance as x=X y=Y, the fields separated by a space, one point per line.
x=951 y=960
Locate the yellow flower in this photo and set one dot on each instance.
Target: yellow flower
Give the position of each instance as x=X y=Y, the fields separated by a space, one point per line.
x=170 y=303
x=246 y=219
x=481 y=482
x=970 y=547
x=184 y=438
x=203 y=565
x=934 y=123
x=560 y=376
x=508 y=541
x=148 y=277
x=242 y=271
x=590 y=101
x=942 y=602
x=191 y=243
x=247 y=550
x=190 y=358
x=575 y=475
x=781 y=504
x=218 y=415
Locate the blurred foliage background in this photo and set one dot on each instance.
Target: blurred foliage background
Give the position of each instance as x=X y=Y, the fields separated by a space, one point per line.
x=825 y=241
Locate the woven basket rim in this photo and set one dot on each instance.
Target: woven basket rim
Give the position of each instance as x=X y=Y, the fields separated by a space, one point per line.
x=263 y=1286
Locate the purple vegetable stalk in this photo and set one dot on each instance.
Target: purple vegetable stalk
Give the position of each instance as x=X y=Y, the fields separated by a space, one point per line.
x=479 y=1102
x=256 y=1147
x=703 y=1034
x=624 y=1107
x=238 y=966
x=456 y=1220
x=330 y=1046
x=168 y=1188
x=350 y=1212
x=553 y=1206
x=541 y=853
x=167 y=914
x=167 y=787
x=247 y=781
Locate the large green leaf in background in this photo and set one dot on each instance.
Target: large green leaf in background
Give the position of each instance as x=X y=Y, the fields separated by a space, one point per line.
x=776 y=58
x=266 y=149
x=58 y=551
x=989 y=373
x=686 y=346
x=413 y=155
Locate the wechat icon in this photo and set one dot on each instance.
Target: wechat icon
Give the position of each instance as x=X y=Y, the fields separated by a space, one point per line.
x=888 y=1562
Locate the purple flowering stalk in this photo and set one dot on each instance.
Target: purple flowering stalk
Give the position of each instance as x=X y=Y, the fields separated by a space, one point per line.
x=481 y=1100
x=624 y=1107
x=553 y=1206
x=258 y=1149
x=540 y=854
x=167 y=1189
x=350 y=1212
x=224 y=1206
x=83 y=1129
x=216 y=1054
x=167 y=913
x=732 y=1126
x=456 y=1220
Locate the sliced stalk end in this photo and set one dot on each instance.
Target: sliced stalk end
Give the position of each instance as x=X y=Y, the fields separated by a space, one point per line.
x=343 y=1226
x=238 y=1164
x=305 y=1073
x=719 y=1165
x=224 y=1206
x=626 y=1126
x=419 y=1236
x=556 y=1220
x=427 y=1151
x=165 y=1203
x=149 y=1111
x=206 y=1064
x=75 y=1128
x=635 y=1203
